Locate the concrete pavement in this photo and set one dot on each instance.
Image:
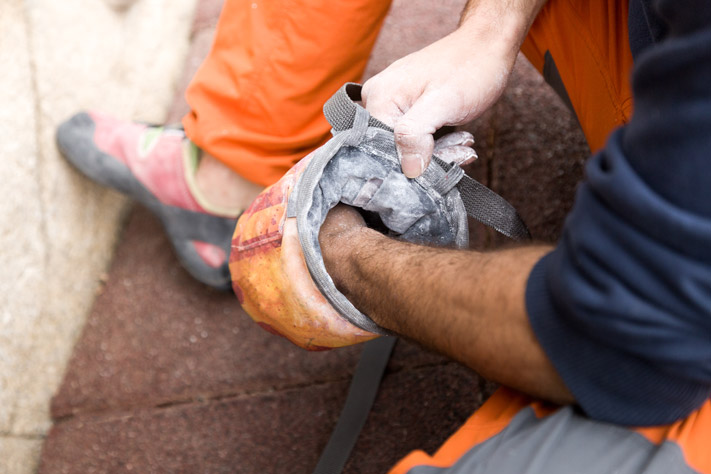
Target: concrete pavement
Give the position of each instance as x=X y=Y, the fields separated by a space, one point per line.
x=58 y=230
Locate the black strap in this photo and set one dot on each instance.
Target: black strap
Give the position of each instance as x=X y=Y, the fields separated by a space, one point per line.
x=481 y=203
x=361 y=395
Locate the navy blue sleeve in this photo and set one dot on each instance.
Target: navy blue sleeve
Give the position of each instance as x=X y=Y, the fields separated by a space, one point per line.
x=622 y=305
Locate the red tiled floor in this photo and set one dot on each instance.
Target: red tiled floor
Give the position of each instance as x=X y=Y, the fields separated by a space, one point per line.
x=268 y=432
x=534 y=152
x=157 y=336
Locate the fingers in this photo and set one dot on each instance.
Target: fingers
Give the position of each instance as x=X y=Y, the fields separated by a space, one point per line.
x=415 y=112
x=459 y=138
x=414 y=130
x=383 y=108
x=456 y=147
x=457 y=154
x=414 y=148
x=413 y=137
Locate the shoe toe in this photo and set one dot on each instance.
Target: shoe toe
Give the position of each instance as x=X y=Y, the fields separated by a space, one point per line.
x=76 y=140
x=75 y=134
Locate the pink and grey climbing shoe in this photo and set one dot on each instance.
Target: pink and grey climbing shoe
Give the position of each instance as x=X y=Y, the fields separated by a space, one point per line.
x=155 y=166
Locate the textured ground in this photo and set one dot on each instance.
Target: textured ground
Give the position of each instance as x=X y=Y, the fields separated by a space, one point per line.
x=57 y=230
x=170 y=376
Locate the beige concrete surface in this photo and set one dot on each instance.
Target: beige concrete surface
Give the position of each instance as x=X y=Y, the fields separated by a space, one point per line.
x=57 y=230
x=19 y=455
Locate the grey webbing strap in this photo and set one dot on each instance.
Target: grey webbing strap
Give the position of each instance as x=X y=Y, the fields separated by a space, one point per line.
x=299 y=206
x=361 y=395
x=340 y=109
x=481 y=203
x=489 y=208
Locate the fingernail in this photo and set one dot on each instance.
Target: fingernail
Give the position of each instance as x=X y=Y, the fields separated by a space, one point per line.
x=412 y=168
x=408 y=165
x=471 y=158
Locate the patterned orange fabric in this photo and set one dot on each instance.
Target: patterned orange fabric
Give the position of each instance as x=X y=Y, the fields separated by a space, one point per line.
x=485 y=423
x=691 y=434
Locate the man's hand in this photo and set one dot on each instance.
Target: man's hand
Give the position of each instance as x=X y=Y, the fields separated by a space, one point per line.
x=452 y=81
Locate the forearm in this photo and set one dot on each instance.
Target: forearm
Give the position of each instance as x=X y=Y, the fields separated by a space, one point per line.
x=466 y=305
x=509 y=20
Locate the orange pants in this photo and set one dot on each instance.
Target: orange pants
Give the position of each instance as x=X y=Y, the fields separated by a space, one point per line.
x=256 y=100
x=589 y=44
x=494 y=423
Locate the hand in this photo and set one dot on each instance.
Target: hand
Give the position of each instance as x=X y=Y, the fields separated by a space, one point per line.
x=456 y=147
x=450 y=82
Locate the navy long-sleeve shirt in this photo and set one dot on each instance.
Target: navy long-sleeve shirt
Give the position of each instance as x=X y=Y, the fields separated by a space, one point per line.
x=622 y=306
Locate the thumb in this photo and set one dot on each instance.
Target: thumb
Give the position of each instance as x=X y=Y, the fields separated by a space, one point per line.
x=413 y=136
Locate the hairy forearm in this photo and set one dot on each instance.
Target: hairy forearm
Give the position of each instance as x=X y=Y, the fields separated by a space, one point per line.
x=467 y=305
x=524 y=10
x=508 y=20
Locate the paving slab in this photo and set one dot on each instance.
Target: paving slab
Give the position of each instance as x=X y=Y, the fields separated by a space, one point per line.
x=416 y=409
x=531 y=152
x=156 y=336
x=536 y=152
x=277 y=431
x=22 y=251
x=59 y=229
x=19 y=455
x=256 y=433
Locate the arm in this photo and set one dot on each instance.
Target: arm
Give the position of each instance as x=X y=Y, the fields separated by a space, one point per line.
x=621 y=306
x=420 y=93
x=467 y=305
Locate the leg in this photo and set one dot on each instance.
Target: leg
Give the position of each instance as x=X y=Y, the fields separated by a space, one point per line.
x=587 y=44
x=256 y=108
x=256 y=100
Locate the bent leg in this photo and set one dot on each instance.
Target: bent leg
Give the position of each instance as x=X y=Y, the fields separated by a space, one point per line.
x=256 y=100
x=585 y=45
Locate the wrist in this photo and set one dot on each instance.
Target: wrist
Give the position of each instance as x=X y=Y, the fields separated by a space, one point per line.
x=340 y=250
x=501 y=25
